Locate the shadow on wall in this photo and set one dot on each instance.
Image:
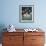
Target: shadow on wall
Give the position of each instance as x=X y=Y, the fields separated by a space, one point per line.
x=2 y=26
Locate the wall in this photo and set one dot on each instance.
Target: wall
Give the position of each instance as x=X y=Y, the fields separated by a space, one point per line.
x=9 y=13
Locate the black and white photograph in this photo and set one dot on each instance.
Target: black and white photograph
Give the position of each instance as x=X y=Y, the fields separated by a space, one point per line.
x=26 y=13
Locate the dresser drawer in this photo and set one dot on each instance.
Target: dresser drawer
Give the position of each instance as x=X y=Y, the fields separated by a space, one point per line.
x=13 y=33
x=37 y=39
x=37 y=44
x=13 y=44
x=34 y=33
x=12 y=39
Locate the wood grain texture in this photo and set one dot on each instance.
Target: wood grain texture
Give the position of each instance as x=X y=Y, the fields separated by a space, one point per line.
x=23 y=38
x=34 y=39
x=12 y=39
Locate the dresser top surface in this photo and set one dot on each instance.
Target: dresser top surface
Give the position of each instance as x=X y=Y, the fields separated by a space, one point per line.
x=22 y=30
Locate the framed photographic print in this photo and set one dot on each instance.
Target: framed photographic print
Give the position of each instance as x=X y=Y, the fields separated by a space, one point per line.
x=26 y=13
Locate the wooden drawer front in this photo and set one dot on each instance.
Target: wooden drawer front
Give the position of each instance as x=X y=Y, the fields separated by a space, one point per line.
x=12 y=39
x=34 y=33
x=8 y=44
x=37 y=39
x=27 y=41
x=37 y=45
x=12 y=44
x=13 y=33
x=33 y=40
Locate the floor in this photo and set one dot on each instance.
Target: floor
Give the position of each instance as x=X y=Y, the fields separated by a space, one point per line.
x=0 y=44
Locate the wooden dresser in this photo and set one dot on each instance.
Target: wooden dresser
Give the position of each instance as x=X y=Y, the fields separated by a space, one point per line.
x=23 y=38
